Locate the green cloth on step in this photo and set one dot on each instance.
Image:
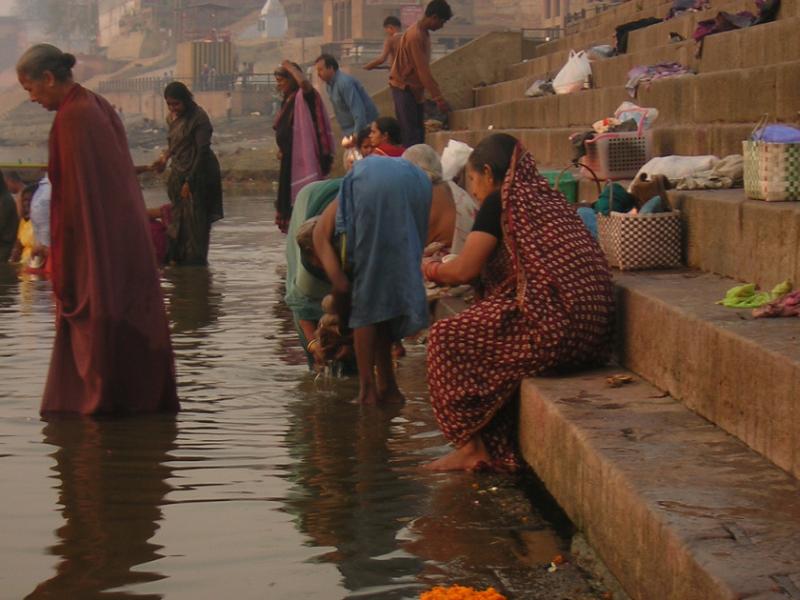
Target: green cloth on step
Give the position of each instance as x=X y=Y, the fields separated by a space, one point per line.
x=622 y=200
x=748 y=296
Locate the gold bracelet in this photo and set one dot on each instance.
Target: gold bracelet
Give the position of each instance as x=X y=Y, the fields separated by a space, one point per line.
x=311 y=345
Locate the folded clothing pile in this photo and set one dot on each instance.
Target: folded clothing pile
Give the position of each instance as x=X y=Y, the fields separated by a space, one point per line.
x=641 y=75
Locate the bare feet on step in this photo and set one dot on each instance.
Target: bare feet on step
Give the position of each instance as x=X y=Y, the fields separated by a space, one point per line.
x=469 y=457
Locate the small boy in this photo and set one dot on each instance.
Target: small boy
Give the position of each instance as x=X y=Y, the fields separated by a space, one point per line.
x=391 y=25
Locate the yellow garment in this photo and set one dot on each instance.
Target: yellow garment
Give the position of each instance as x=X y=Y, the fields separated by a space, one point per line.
x=26 y=239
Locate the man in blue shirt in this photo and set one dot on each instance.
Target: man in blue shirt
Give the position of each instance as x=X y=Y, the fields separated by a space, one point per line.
x=354 y=109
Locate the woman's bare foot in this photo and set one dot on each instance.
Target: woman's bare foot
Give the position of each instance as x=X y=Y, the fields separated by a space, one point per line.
x=368 y=395
x=467 y=458
x=392 y=395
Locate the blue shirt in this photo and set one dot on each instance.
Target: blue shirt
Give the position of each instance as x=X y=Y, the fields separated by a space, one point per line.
x=354 y=109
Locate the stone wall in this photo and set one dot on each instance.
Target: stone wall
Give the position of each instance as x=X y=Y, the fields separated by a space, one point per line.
x=150 y=104
x=481 y=61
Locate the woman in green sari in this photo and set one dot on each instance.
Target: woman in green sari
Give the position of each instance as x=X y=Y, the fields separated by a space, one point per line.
x=306 y=284
x=194 y=185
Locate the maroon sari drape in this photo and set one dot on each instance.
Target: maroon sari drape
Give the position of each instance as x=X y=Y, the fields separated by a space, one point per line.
x=547 y=303
x=112 y=351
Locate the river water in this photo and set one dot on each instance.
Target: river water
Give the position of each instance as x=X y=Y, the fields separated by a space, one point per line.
x=269 y=484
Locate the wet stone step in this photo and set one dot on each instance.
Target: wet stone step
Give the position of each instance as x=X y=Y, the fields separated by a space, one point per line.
x=676 y=507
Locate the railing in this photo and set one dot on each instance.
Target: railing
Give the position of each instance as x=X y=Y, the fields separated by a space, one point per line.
x=258 y=82
x=362 y=51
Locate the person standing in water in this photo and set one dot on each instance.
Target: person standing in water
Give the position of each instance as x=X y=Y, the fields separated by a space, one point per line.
x=304 y=138
x=195 y=183
x=112 y=352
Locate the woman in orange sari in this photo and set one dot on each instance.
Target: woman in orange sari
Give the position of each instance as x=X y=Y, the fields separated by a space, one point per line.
x=546 y=304
x=112 y=352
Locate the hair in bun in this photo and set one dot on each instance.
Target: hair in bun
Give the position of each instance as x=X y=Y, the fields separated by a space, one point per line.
x=39 y=59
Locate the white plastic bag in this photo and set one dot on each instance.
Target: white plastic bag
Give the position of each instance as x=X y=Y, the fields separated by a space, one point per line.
x=572 y=75
x=454 y=158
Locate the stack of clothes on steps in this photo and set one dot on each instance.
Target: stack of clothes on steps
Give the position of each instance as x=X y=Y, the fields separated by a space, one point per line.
x=641 y=75
x=725 y=21
x=697 y=172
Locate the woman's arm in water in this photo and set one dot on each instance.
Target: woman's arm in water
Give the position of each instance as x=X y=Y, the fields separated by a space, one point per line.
x=468 y=265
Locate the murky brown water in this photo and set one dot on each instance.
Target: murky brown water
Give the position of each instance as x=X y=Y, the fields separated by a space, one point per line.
x=269 y=484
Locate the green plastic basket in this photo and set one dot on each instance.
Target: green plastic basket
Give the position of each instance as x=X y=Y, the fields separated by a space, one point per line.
x=567 y=186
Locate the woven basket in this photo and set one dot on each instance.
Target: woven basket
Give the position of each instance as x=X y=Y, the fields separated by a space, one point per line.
x=619 y=155
x=650 y=241
x=771 y=171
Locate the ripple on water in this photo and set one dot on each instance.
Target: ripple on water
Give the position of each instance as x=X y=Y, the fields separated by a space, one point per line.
x=269 y=484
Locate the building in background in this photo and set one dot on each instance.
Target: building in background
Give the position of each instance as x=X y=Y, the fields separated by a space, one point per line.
x=305 y=17
x=273 y=23
x=196 y=19
x=563 y=13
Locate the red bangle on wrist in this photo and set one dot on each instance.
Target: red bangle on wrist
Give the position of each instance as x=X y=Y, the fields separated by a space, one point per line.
x=432 y=271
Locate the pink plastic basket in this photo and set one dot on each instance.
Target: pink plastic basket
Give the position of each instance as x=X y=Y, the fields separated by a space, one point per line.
x=618 y=155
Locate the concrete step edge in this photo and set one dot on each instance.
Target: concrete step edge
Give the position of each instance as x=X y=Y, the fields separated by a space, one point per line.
x=738 y=372
x=676 y=508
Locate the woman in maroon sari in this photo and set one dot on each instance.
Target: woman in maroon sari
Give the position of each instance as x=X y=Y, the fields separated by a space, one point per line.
x=546 y=304
x=304 y=138
x=112 y=353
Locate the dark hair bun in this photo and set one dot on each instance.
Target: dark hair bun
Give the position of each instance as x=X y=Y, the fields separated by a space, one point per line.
x=68 y=60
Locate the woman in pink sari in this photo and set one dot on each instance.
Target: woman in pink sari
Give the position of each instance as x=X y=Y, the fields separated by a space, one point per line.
x=546 y=304
x=112 y=352
x=304 y=137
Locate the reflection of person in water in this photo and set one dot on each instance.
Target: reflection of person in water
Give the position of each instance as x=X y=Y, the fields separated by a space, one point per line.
x=9 y=284
x=350 y=495
x=193 y=303
x=113 y=480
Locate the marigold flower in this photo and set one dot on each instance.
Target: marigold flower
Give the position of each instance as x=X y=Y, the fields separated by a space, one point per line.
x=459 y=592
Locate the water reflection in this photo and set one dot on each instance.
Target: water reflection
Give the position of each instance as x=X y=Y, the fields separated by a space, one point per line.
x=193 y=301
x=112 y=483
x=274 y=486
x=350 y=496
x=9 y=282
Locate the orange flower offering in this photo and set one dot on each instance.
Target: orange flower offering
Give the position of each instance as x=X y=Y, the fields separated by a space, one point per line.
x=459 y=592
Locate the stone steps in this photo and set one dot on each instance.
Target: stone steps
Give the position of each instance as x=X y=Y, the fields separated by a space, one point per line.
x=766 y=45
x=551 y=147
x=749 y=240
x=741 y=373
x=677 y=508
x=730 y=96
x=600 y=29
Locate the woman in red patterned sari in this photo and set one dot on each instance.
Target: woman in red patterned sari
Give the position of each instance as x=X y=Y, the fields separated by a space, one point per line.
x=546 y=304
